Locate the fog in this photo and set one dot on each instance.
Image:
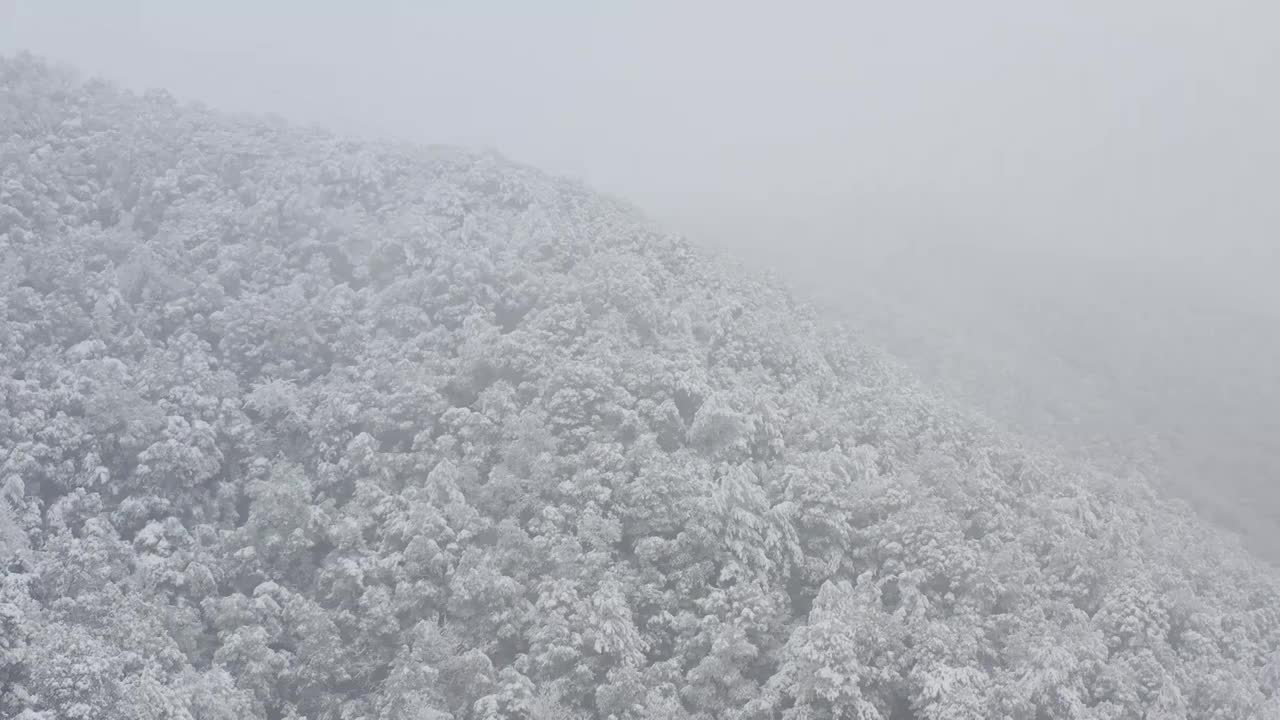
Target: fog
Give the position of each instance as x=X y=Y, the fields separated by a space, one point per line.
x=1066 y=211
x=1133 y=128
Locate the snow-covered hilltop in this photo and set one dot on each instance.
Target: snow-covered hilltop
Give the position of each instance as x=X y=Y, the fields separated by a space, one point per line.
x=300 y=427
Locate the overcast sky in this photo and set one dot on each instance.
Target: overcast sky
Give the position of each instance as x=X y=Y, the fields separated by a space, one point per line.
x=1138 y=127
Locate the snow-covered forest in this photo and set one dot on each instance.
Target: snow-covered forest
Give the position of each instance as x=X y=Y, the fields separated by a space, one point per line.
x=299 y=427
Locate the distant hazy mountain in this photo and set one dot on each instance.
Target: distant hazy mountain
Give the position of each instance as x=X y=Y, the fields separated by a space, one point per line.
x=1139 y=365
x=299 y=427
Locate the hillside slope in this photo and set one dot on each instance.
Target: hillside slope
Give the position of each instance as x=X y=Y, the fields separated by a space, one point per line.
x=1139 y=367
x=300 y=427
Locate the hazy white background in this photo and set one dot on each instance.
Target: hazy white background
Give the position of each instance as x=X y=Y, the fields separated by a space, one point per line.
x=1068 y=210
x=1120 y=127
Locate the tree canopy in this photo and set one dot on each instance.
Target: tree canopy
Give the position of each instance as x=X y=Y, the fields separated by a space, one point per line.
x=295 y=426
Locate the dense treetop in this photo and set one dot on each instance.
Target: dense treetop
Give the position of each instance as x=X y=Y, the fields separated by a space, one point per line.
x=293 y=426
